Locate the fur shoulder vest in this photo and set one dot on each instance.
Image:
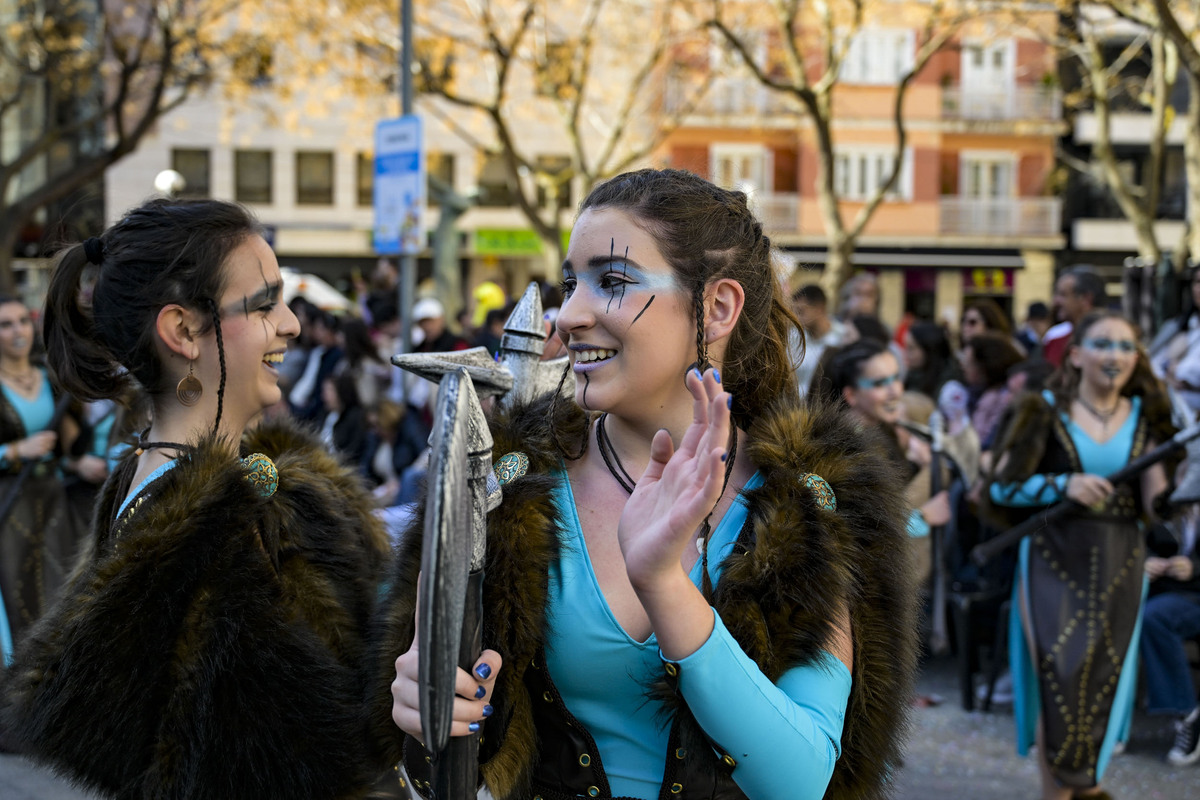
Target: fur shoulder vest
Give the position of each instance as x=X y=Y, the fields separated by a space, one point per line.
x=795 y=566
x=210 y=643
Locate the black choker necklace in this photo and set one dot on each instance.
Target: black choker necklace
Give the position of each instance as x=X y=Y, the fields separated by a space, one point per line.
x=622 y=476
x=1104 y=416
x=143 y=445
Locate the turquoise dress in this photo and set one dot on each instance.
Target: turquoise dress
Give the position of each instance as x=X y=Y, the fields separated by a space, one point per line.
x=38 y=540
x=1083 y=582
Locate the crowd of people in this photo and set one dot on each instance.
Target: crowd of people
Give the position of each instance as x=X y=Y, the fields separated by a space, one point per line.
x=694 y=566
x=1033 y=415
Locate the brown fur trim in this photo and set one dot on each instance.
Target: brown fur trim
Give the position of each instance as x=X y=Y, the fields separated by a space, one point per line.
x=211 y=647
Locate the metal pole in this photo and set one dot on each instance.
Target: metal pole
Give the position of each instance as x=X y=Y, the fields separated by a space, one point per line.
x=407 y=286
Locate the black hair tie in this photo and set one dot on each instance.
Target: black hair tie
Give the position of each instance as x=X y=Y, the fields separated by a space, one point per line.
x=93 y=248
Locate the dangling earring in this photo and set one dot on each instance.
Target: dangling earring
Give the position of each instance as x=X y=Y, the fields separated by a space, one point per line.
x=189 y=389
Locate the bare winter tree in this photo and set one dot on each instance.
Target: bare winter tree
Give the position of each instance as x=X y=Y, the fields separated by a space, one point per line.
x=809 y=42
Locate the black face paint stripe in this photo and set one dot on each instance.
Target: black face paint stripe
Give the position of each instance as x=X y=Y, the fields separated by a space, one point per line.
x=643 y=311
x=586 y=383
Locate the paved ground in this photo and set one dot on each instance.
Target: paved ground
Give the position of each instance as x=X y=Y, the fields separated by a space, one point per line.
x=952 y=754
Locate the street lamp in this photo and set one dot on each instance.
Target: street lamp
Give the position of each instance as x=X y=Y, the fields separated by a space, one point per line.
x=169 y=182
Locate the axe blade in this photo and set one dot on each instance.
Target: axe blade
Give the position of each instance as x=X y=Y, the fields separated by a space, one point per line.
x=445 y=560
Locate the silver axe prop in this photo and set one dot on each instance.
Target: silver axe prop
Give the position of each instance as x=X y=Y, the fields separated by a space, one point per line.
x=461 y=490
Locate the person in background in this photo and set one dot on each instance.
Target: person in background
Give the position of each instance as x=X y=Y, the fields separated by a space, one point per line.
x=986 y=361
x=1078 y=292
x=983 y=315
x=1032 y=331
x=344 y=428
x=38 y=537
x=323 y=358
x=859 y=296
x=210 y=643
x=865 y=378
x=821 y=332
x=1170 y=619
x=1175 y=351
x=1074 y=683
x=492 y=330
x=361 y=360
x=771 y=625
x=928 y=359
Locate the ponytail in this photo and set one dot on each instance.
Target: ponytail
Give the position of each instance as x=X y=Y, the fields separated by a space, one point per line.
x=76 y=356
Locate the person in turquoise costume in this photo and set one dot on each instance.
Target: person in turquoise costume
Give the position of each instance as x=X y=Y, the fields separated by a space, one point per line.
x=690 y=588
x=210 y=643
x=38 y=538
x=1080 y=586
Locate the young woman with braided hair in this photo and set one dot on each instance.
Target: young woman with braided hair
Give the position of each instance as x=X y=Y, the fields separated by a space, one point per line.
x=1079 y=584
x=690 y=588
x=209 y=644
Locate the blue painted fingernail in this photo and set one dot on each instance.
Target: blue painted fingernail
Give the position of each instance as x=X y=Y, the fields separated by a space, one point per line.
x=724 y=456
x=480 y=692
x=487 y=710
x=483 y=670
x=698 y=374
x=717 y=374
x=729 y=401
x=473 y=727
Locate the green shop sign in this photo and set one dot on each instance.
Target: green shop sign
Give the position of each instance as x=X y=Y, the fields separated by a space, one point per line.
x=511 y=242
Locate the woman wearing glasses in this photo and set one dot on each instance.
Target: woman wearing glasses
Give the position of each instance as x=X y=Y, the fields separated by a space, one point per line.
x=1080 y=586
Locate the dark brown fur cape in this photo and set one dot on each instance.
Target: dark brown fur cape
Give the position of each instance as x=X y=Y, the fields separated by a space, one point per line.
x=211 y=643
x=778 y=595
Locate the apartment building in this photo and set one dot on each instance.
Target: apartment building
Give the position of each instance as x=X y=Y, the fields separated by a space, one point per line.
x=974 y=213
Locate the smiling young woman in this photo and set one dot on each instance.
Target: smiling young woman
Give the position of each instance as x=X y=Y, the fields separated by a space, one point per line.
x=678 y=548
x=208 y=645
x=1106 y=408
x=38 y=538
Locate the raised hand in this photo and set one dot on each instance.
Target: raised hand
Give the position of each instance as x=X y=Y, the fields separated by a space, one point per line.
x=678 y=489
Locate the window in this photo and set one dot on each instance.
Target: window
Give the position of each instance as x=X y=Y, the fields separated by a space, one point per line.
x=554 y=177
x=365 y=179
x=879 y=56
x=745 y=167
x=252 y=176
x=314 y=178
x=859 y=172
x=495 y=187
x=439 y=168
x=193 y=165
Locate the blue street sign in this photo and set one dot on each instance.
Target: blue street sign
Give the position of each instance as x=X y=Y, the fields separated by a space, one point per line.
x=399 y=186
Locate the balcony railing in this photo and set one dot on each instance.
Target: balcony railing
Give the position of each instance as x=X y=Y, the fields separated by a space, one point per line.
x=1016 y=216
x=1024 y=103
x=779 y=213
x=729 y=97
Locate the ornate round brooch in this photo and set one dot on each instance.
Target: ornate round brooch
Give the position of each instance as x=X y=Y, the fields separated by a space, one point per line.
x=821 y=490
x=261 y=474
x=510 y=466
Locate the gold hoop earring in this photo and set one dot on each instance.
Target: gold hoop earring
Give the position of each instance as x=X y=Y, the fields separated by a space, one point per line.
x=189 y=389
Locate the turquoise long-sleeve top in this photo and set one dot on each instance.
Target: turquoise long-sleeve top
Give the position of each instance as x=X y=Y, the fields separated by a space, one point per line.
x=602 y=673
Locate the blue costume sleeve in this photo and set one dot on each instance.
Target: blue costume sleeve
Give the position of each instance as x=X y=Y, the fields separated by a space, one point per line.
x=756 y=721
x=1039 y=490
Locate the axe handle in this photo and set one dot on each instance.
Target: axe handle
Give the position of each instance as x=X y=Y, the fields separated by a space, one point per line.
x=985 y=552
x=456 y=769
